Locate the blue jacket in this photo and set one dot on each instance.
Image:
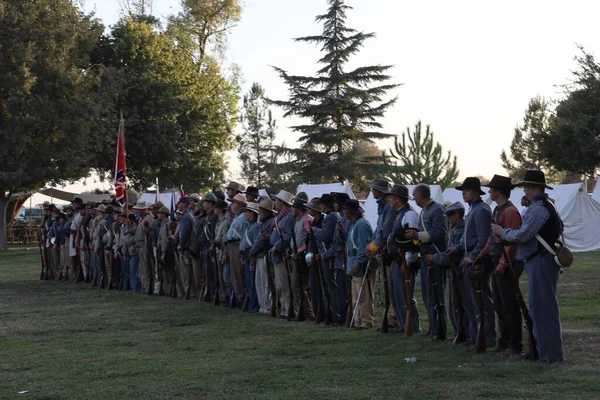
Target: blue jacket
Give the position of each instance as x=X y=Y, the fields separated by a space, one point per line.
x=258 y=248
x=250 y=235
x=432 y=229
x=477 y=229
x=455 y=240
x=286 y=227
x=358 y=238
x=386 y=216
x=186 y=226
x=326 y=235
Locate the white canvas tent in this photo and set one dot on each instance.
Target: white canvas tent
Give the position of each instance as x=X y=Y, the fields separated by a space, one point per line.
x=165 y=197
x=596 y=192
x=370 y=205
x=319 y=190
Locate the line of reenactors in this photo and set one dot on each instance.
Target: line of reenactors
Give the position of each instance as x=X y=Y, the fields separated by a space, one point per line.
x=319 y=259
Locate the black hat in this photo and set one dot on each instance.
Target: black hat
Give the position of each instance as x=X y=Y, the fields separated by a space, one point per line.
x=500 y=182
x=252 y=191
x=77 y=200
x=381 y=184
x=340 y=197
x=63 y=216
x=220 y=195
x=456 y=207
x=109 y=210
x=353 y=205
x=400 y=191
x=131 y=217
x=328 y=200
x=402 y=241
x=299 y=203
x=184 y=200
x=302 y=196
x=535 y=178
x=471 y=182
x=80 y=207
x=221 y=204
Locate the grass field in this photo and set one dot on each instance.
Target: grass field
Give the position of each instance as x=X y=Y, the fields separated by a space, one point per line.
x=64 y=341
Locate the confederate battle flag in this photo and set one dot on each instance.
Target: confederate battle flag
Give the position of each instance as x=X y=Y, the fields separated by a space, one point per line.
x=120 y=168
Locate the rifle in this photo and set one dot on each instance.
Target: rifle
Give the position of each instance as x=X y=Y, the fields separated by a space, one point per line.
x=533 y=350
x=480 y=346
x=213 y=252
x=290 y=315
x=438 y=307
x=461 y=334
x=342 y=239
x=190 y=272
x=428 y=295
x=385 y=326
x=44 y=271
x=324 y=310
x=270 y=280
x=408 y=329
x=299 y=260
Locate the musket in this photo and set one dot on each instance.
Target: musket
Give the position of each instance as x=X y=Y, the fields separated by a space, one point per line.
x=461 y=334
x=324 y=308
x=441 y=335
x=408 y=329
x=189 y=285
x=428 y=295
x=533 y=350
x=270 y=280
x=299 y=260
x=385 y=326
x=44 y=268
x=150 y=275
x=290 y=315
x=480 y=345
x=213 y=252
x=362 y=285
x=342 y=239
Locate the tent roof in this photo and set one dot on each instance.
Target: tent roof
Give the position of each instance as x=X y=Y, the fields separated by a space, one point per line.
x=319 y=190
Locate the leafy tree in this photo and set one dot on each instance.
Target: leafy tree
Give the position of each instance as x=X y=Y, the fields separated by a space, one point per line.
x=574 y=142
x=417 y=158
x=256 y=141
x=341 y=106
x=178 y=118
x=525 y=148
x=48 y=95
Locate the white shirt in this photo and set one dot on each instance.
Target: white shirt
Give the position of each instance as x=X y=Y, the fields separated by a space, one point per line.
x=411 y=218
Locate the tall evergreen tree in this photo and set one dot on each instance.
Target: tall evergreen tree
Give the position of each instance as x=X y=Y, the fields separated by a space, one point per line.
x=525 y=150
x=417 y=158
x=342 y=106
x=256 y=142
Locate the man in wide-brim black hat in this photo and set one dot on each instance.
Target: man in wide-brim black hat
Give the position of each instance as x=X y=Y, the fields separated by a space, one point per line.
x=477 y=233
x=541 y=222
x=506 y=305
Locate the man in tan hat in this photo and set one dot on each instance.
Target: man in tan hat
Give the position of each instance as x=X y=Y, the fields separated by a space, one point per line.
x=208 y=255
x=250 y=237
x=234 y=236
x=184 y=245
x=144 y=247
x=300 y=281
x=280 y=242
x=233 y=188
x=153 y=235
x=197 y=277
x=259 y=250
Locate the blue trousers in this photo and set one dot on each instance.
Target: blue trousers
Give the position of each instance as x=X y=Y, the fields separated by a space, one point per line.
x=543 y=276
x=227 y=279
x=399 y=299
x=134 y=280
x=253 y=306
x=488 y=303
x=93 y=266
x=124 y=274
x=436 y=292
x=329 y=280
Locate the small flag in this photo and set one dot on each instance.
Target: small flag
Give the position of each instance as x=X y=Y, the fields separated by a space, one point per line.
x=120 y=168
x=157 y=191
x=172 y=206
x=181 y=192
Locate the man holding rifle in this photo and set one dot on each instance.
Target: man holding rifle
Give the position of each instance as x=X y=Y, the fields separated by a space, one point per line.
x=264 y=278
x=540 y=223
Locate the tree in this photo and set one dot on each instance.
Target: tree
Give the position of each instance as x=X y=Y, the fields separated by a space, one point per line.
x=256 y=141
x=342 y=106
x=525 y=148
x=574 y=142
x=418 y=158
x=178 y=117
x=48 y=94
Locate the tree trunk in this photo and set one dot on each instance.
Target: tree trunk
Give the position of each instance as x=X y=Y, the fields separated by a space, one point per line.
x=3 y=206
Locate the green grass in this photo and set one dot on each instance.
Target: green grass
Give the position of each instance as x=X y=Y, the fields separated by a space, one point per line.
x=64 y=341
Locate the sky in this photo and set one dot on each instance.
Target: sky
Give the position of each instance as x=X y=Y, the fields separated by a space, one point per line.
x=468 y=68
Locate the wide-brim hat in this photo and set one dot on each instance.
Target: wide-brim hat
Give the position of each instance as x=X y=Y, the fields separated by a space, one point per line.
x=184 y=200
x=158 y=205
x=77 y=200
x=210 y=197
x=46 y=205
x=219 y=194
x=195 y=197
x=109 y=210
x=164 y=210
x=222 y=204
x=340 y=197
x=267 y=204
x=235 y=186
x=353 y=205
x=314 y=204
x=535 y=178
x=101 y=208
x=455 y=207
x=471 y=182
x=285 y=197
x=381 y=184
x=239 y=198
x=67 y=207
x=252 y=191
x=63 y=216
x=327 y=199
x=302 y=196
x=500 y=182
x=400 y=191
x=299 y=203
x=142 y=205
x=117 y=210
x=252 y=206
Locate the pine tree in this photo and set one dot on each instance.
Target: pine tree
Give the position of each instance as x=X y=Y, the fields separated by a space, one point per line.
x=525 y=149
x=420 y=159
x=342 y=107
x=256 y=142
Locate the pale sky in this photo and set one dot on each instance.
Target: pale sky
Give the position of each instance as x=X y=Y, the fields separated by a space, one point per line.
x=469 y=67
